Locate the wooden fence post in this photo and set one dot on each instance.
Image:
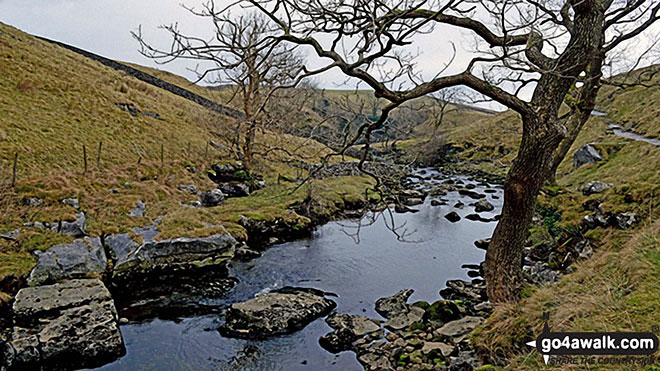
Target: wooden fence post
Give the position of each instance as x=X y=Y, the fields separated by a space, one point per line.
x=85 y=157
x=98 y=158
x=162 y=157
x=13 y=177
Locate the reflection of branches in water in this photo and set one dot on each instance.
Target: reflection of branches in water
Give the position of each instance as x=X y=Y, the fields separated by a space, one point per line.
x=369 y=218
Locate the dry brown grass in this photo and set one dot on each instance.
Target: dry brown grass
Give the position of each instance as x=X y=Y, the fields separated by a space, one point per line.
x=616 y=290
x=53 y=101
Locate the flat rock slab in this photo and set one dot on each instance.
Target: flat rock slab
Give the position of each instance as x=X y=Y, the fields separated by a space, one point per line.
x=459 y=330
x=72 y=324
x=275 y=313
x=358 y=325
x=403 y=319
x=81 y=259
x=155 y=259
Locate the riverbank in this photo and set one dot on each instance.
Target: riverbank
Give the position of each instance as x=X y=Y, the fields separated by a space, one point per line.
x=359 y=268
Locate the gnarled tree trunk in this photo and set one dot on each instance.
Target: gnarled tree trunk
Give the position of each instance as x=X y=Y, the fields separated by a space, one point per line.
x=529 y=170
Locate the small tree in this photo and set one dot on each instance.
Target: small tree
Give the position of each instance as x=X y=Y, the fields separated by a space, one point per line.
x=257 y=70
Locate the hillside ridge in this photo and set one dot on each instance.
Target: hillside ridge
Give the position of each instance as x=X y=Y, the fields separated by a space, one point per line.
x=150 y=79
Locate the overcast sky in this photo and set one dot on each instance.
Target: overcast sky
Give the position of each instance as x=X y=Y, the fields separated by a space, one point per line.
x=103 y=27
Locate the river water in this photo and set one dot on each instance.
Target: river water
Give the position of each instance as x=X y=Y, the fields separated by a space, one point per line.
x=358 y=269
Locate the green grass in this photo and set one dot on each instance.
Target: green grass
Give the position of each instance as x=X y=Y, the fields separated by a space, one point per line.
x=615 y=290
x=53 y=101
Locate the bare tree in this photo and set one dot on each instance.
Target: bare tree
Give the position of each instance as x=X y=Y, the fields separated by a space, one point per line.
x=257 y=70
x=542 y=47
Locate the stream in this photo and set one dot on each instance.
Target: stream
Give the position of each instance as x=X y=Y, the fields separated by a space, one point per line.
x=618 y=130
x=358 y=269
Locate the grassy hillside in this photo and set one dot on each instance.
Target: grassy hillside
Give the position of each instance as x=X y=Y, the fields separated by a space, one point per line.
x=615 y=290
x=53 y=102
x=635 y=107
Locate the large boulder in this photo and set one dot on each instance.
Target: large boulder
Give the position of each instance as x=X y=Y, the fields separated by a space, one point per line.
x=211 y=198
x=66 y=325
x=453 y=217
x=80 y=259
x=168 y=259
x=587 y=154
x=275 y=313
x=75 y=228
x=234 y=189
x=221 y=173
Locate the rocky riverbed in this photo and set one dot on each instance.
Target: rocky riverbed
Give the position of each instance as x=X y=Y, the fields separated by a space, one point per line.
x=255 y=308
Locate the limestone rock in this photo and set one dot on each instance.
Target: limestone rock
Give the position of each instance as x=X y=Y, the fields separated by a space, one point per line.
x=595 y=187
x=189 y=188
x=138 y=210
x=81 y=259
x=66 y=325
x=483 y=205
x=168 y=258
x=587 y=154
x=393 y=304
x=275 y=313
x=211 y=198
x=460 y=329
x=234 y=189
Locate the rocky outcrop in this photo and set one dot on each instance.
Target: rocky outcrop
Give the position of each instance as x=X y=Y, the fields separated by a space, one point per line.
x=587 y=154
x=167 y=261
x=188 y=188
x=396 y=303
x=234 y=189
x=11 y=235
x=224 y=173
x=262 y=231
x=464 y=290
x=73 y=202
x=138 y=210
x=347 y=329
x=211 y=198
x=66 y=325
x=75 y=228
x=81 y=259
x=275 y=313
x=595 y=187
x=460 y=329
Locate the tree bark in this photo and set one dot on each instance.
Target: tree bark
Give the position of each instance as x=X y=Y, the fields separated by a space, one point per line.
x=528 y=171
